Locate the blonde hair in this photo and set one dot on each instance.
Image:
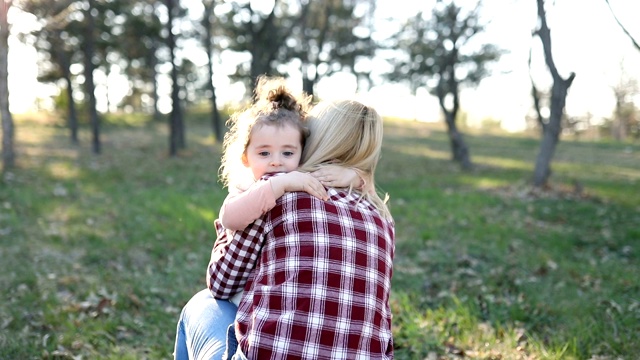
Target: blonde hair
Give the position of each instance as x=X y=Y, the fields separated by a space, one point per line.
x=349 y=134
x=275 y=106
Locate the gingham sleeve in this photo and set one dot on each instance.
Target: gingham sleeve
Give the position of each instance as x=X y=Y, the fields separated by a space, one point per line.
x=233 y=259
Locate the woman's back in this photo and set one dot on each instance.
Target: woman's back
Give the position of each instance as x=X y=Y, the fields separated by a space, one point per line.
x=322 y=285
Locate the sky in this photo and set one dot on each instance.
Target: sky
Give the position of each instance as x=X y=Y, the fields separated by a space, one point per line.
x=586 y=40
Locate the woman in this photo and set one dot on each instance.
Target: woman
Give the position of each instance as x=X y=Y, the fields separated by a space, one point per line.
x=316 y=274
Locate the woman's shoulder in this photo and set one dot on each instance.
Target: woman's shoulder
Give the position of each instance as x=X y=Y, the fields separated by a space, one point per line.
x=341 y=198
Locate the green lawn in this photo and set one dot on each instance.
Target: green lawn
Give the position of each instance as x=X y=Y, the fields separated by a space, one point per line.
x=99 y=253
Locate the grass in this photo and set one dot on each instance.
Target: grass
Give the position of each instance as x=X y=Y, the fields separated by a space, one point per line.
x=99 y=253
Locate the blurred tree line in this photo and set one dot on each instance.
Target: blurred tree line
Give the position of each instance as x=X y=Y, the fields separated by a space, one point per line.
x=80 y=43
x=78 y=38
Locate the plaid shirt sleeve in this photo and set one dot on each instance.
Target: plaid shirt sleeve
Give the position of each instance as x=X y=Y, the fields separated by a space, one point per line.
x=233 y=258
x=234 y=255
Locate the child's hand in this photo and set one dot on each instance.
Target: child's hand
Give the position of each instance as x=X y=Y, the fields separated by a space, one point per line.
x=338 y=176
x=298 y=181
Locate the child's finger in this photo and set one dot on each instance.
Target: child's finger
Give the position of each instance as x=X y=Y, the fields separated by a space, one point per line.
x=320 y=190
x=315 y=188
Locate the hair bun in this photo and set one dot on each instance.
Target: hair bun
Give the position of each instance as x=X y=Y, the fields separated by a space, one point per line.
x=273 y=94
x=281 y=98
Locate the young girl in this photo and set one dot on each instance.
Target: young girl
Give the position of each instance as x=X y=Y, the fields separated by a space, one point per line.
x=268 y=138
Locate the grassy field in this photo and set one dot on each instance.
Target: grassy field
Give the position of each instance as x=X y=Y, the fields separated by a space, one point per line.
x=99 y=253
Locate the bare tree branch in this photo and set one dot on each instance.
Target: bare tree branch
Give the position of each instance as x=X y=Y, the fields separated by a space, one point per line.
x=635 y=43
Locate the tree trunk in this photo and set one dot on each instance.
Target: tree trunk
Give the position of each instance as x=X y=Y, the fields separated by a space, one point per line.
x=260 y=65
x=308 y=84
x=216 y=121
x=548 y=144
x=459 y=148
x=619 y=125
x=106 y=85
x=309 y=81
x=447 y=85
x=64 y=61
x=89 y=51
x=153 y=61
x=72 y=116
x=8 y=155
x=71 y=107
x=266 y=41
x=550 y=130
x=175 y=141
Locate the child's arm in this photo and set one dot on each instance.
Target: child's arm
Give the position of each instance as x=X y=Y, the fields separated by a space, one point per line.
x=238 y=211
x=298 y=181
x=340 y=177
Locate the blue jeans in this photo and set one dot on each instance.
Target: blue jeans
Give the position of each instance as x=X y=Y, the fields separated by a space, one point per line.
x=202 y=328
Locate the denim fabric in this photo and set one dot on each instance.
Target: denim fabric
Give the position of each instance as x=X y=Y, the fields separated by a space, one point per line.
x=202 y=328
x=232 y=343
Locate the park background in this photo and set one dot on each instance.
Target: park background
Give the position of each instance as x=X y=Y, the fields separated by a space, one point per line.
x=100 y=249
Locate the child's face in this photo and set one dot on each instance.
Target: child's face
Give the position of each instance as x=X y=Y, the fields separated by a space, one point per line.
x=273 y=149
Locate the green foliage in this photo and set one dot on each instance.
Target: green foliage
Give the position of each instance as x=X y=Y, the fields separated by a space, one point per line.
x=99 y=253
x=490 y=124
x=61 y=102
x=437 y=51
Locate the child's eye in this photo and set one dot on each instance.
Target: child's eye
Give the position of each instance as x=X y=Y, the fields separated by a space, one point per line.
x=263 y=153
x=287 y=153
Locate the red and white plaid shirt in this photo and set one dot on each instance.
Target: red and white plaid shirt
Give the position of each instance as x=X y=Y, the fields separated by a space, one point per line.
x=317 y=279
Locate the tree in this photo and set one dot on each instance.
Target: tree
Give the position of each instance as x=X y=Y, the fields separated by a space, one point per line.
x=624 y=112
x=138 y=45
x=107 y=38
x=176 y=124
x=435 y=55
x=8 y=154
x=332 y=38
x=551 y=126
x=56 y=41
x=260 y=32
x=90 y=88
x=62 y=57
x=325 y=36
x=208 y=20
